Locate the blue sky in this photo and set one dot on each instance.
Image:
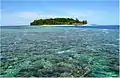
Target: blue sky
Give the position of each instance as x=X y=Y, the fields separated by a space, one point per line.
x=22 y=12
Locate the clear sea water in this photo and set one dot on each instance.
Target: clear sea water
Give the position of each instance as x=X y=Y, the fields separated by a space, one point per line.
x=34 y=51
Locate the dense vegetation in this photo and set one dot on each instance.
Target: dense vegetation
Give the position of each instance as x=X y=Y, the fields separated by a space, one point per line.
x=58 y=21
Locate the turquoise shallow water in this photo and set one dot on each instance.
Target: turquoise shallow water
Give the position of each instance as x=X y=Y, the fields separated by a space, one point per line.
x=28 y=51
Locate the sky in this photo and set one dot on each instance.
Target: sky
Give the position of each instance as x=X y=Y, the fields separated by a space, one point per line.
x=22 y=12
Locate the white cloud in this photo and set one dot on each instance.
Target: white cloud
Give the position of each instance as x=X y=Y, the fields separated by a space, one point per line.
x=81 y=14
x=36 y=15
x=28 y=15
x=18 y=18
x=93 y=16
x=24 y=18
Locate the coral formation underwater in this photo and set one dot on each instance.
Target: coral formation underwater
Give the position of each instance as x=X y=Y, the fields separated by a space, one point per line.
x=59 y=52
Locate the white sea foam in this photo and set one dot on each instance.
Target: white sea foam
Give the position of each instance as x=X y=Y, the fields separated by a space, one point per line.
x=105 y=30
x=59 y=52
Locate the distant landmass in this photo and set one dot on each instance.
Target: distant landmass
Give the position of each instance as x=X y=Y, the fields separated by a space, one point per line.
x=59 y=21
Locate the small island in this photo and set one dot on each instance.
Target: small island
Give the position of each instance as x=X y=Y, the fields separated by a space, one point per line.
x=59 y=21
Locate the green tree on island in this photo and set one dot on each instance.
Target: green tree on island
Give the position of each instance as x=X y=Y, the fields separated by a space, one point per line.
x=58 y=21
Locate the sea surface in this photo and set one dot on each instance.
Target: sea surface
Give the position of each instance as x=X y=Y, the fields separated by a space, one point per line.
x=73 y=51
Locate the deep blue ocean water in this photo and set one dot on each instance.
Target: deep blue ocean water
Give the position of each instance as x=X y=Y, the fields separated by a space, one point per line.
x=79 y=51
